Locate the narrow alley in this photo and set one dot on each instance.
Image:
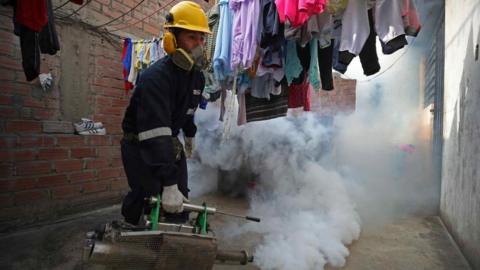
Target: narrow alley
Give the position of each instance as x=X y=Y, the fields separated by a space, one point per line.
x=349 y=128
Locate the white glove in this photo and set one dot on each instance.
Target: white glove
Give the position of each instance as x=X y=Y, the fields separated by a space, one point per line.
x=189 y=146
x=173 y=199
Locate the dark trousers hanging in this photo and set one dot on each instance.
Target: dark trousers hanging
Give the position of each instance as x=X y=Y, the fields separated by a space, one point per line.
x=325 y=62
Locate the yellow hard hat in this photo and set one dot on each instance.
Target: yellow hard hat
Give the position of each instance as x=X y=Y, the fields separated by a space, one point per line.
x=188 y=15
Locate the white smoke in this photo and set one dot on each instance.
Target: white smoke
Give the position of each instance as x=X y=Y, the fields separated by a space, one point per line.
x=315 y=185
x=307 y=216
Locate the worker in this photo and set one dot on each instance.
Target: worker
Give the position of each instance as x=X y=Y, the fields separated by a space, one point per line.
x=163 y=104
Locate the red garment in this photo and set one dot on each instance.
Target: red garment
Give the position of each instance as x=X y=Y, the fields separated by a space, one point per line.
x=298 y=11
x=78 y=2
x=32 y=14
x=127 y=85
x=299 y=95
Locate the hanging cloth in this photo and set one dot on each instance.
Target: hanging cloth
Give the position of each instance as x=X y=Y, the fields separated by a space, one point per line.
x=48 y=39
x=32 y=14
x=313 y=71
x=411 y=22
x=293 y=67
x=244 y=32
x=221 y=56
x=126 y=62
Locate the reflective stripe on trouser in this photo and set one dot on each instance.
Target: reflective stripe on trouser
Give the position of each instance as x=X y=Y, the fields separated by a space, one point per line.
x=141 y=182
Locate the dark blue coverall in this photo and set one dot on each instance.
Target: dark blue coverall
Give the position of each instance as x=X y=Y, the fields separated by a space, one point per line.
x=163 y=102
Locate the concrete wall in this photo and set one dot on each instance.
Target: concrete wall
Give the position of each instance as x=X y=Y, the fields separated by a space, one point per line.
x=460 y=195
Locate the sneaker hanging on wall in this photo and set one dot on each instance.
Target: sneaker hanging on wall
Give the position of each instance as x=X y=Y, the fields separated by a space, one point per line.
x=88 y=127
x=95 y=131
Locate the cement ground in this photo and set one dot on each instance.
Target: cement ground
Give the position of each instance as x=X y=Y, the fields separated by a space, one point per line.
x=407 y=244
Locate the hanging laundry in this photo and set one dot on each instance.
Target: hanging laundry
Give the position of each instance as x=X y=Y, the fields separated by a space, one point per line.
x=211 y=92
x=213 y=22
x=145 y=62
x=368 y=53
x=314 y=71
x=299 y=94
x=293 y=67
x=221 y=56
x=244 y=32
x=355 y=29
x=35 y=26
x=336 y=7
x=48 y=39
x=298 y=11
x=31 y=14
x=411 y=21
x=272 y=37
x=325 y=63
x=389 y=25
x=127 y=61
x=258 y=109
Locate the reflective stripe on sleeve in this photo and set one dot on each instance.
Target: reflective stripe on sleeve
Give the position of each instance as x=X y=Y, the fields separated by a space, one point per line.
x=156 y=132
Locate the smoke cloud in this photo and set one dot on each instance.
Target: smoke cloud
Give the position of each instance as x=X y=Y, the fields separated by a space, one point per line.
x=318 y=186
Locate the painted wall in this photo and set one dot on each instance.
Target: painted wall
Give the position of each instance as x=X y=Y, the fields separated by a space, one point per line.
x=460 y=194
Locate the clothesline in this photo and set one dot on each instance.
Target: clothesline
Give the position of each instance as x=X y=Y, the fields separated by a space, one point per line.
x=276 y=52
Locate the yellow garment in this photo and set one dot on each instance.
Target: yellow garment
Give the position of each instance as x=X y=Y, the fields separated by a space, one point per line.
x=336 y=7
x=138 y=48
x=146 y=54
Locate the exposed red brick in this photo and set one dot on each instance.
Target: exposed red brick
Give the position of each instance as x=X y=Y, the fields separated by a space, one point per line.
x=33 y=168
x=66 y=191
x=104 y=101
x=19 y=184
x=97 y=186
x=24 y=126
x=52 y=180
x=33 y=102
x=52 y=153
x=68 y=165
x=5 y=100
x=83 y=152
x=24 y=155
x=8 y=142
x=6 y=170
x=108 y=110
x=6 y=200
x=109 y=173
x=108 y=152
x=119 y=184
x=96 y=163
x=120 y=102
x=81 y=177
x=30 y=196
x=99 y=140
x=10 y=63
x=8 y=113
x=73 y=140
x=116 y=162
x=15 y=88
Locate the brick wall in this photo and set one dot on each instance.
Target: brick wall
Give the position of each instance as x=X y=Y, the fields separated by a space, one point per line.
x=341 y=100
x=45 y=170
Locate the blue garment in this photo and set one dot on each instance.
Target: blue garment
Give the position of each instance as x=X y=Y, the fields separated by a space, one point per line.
x=153 y=52
x=222 y=54
x=293 y=67
x=127 y=60
x=314 y=71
